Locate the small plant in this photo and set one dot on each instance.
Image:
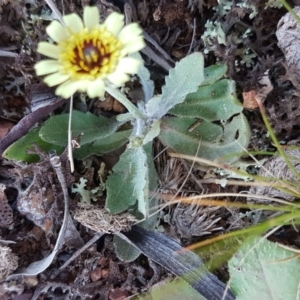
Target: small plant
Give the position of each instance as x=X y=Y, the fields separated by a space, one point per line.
x=197 y=113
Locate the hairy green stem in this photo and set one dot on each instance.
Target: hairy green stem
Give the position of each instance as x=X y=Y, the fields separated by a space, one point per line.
x=70 y=149
x=113 y=91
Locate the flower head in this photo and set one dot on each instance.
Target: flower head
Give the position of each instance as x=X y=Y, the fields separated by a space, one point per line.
x=86 y=54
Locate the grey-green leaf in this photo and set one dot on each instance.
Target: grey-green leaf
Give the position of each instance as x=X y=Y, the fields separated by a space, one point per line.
x=176 y=289
x=152 y=133
x=124 y=250
x=127 y=117
x=144 y=75
x=263 y=270
x=55 y=129
x=105 y=145
x=213 y=73
x=18 y=150
x=183 y=135
x=128 y=184
x=211 y=102
x=185 y=78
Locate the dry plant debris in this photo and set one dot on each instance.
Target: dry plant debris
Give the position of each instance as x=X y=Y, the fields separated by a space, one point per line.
x=6 y=213
x=8 y=262
x=99 y=220
x=192 y=220
x=275 y=167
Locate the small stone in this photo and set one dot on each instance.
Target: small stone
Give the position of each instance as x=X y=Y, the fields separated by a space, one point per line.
x=96 y=274
x=103 y=262
x=104 y=273
x=117 y=294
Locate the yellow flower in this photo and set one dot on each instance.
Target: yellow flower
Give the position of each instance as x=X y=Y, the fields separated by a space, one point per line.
x=87 y=55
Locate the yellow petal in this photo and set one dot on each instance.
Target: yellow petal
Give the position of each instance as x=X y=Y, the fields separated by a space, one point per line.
x=91 y=17
x=48 y=50
x=128 y=65
x=96 y=89
x=55 y=79
x=73 y=22
x=57 y=32
x=67 y=89
x=130 y=32
x=133 y=46
x=118 y=78
x=46 y=66
x=82 y=85
x=114 y=23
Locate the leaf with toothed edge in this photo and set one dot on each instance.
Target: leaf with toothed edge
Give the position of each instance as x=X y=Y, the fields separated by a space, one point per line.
x=211 y=141
x=144 y=76
x=213 y=102
x=127 y=252
x=185 y=78
x=128 y=183
x=263 y=270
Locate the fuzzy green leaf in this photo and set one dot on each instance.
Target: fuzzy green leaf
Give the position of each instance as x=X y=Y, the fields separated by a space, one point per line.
x=215 y=142
x=211 y=102
x=263 y=270
x=128 y=184
x=126 y=117
x=152 y=133
x=124 y=250
x=176 y=289
x=104 y=145
x=213 y=73
x=55 y=129
x=17 y=151
x=185 y=78
x=144 y=76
